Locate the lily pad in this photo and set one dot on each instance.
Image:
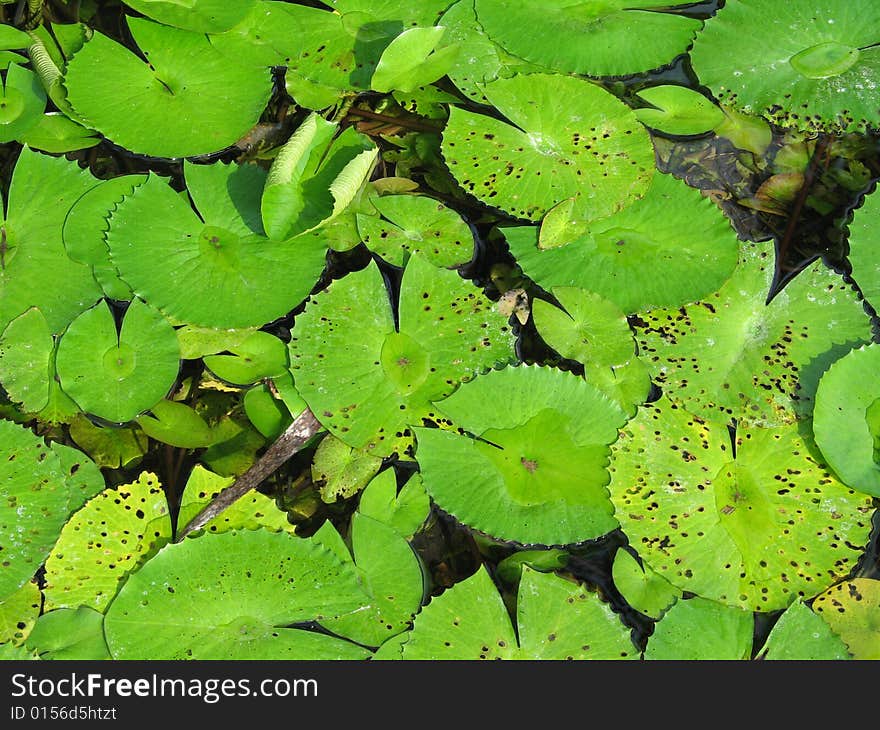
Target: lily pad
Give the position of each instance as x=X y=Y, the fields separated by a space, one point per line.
x=260 y=355
x=414 y=58
x=35 y=270
x=26 y=351
x=104 y=541
x=846 y=418
x=18 y=612
x=673 y=227
x=678 y=110
x=118 y=376
x=405 y=511
x=185 y=99
x=766 y=358
x=535 y=469
x=267 y=411
x=70 y=634
x=864 y=242
x=56 y=133
x=176 y=424
x=595 y=332
x=204 y=16
x=391 y=574
x=85 y=230
x=809 y=65
x=699 y=629
x=801 y=635
x=556 y=619
x=117 y=447
x=34 y=504
x=22 y=101
x=852 y=610
x=214 y=268
x=592 y=146
x=414 y=223
x=340 y=471
x=168 y=611
x=643 y=589
x=368 y=390
x=754 y=521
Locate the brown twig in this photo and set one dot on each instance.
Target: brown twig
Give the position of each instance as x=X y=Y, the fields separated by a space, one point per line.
x=397 y=121
x=297 y=435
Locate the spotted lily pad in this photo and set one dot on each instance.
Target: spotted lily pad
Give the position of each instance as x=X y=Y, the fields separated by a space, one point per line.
x=809 y=65
x=699 y=629
x=595 y=332
x=341 y=471
x=18 y=612
x=766 y=358
x=22 y=101
x=214 y=268
x=592 y=146
x=846 y=418
x=864 y=243
x=534 y=469
x=556 y=619
x=368 y=390
x=852 y=610
x=673 y=227
x=754 y=521
x=643 y=589
x=204 y=16
x=37 y=495
x=35 y=270
x=589 y=37
x=166 y=610
x=185 y=99
x=390 y=573
x=117 y=376
x=405 y=510
x=800 y=634
x=417 y=223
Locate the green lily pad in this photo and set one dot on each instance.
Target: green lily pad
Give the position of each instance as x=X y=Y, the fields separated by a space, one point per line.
x=13 y=38
x=699 y=629
x=766 y=358
x=864 y=242
x=35 y=498
x=196 y=342
x=56 y=133
x=414 y=223
x=846 y=419
x=118 y=376
x=753 y=521
x=215 y=268
x=414 y=58
x=678 y=110
x=176 y=424
x=26 y=349
x=70 y=634
x=545 y=560
x=391 y=574
x=368 y=390
x=535 y=469
x=592 y=146
x=18 y=612
x=852 y=610
x=22 y=101
x=187 y=99
x=260 y=355
x=84 y=477
x=405 y=511
x=35 y=270
x=595 y=332
x=673 y=227
x=340 y=471
x=406 y=13
x=166 y=610
x=556 y=619
x=808 y=65
x=801 y=635
x=267 y=411
x=115 y=448
x=589 y=37
x=14 y=652
x=204 y=16
x=85 y=230
x=104 y=541
x=642 y=587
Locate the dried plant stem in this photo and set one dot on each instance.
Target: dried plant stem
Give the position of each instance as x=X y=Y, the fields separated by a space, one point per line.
x=298 y=433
